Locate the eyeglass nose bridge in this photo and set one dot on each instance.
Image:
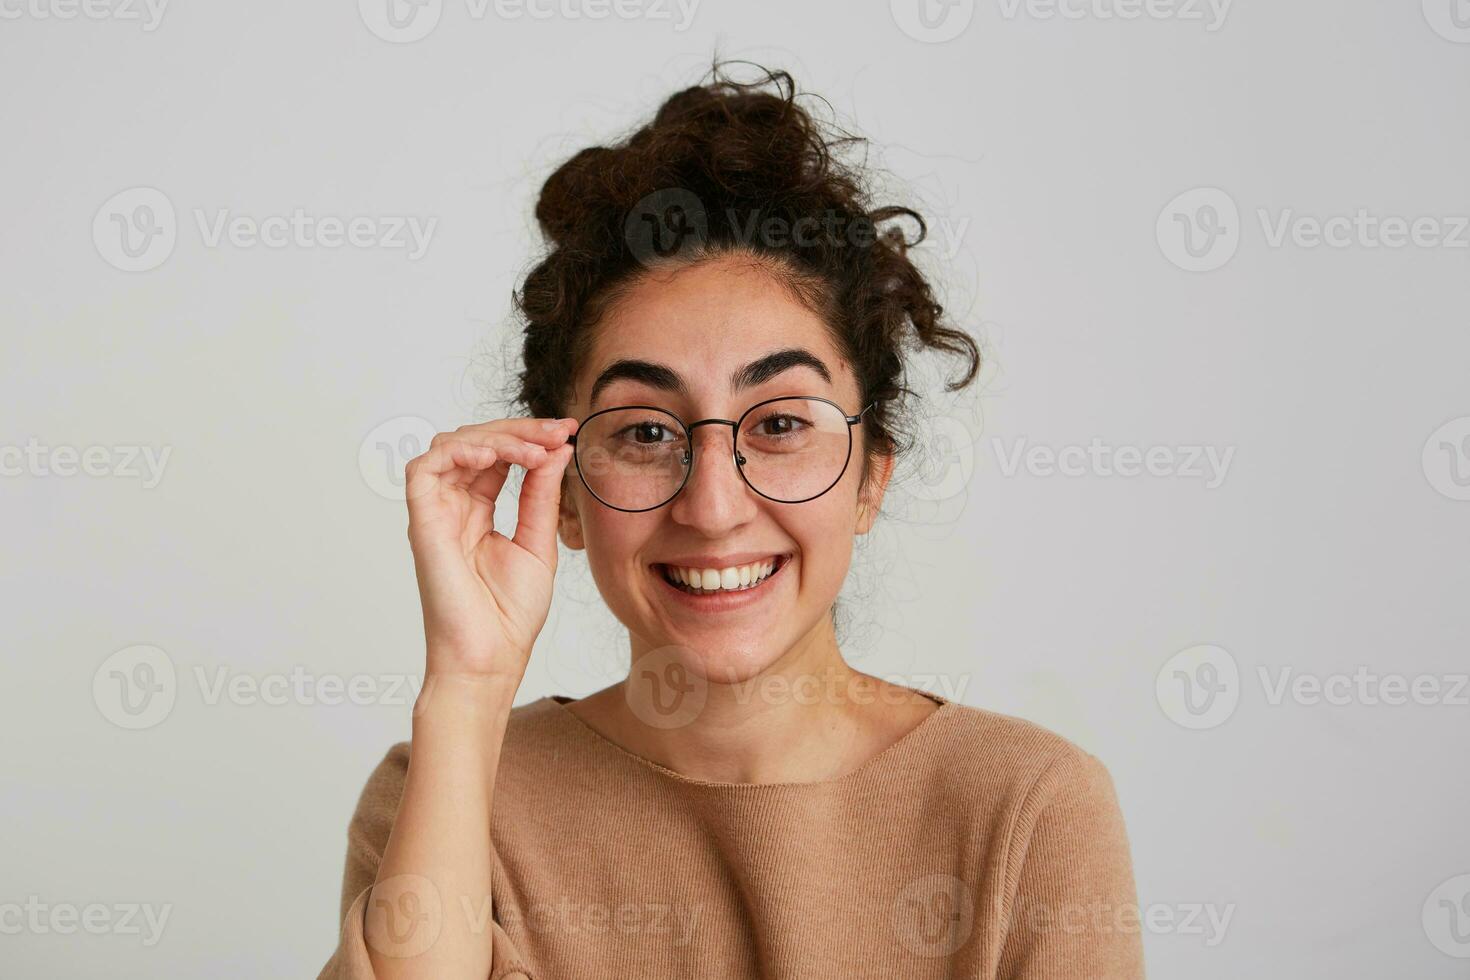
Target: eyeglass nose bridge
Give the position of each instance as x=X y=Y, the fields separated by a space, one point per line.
x=689 y=453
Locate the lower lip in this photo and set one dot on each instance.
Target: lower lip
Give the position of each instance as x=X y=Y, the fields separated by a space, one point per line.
x=722 y=601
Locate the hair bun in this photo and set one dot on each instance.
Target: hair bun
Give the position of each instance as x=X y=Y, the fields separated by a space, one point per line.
x=574 y=189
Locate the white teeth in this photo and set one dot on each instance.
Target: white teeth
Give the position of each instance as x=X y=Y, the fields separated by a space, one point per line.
x=721 y=579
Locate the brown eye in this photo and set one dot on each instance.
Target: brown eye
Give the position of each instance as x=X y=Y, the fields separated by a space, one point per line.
x=650 y=432
x=779 y=425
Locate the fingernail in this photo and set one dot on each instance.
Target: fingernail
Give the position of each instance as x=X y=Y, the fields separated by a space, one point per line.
x=551 y=424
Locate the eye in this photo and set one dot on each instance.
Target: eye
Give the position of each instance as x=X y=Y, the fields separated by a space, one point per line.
x=779 y=424
x=650 y=432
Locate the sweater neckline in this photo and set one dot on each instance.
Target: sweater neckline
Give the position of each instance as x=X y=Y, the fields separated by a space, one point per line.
x=889 y=756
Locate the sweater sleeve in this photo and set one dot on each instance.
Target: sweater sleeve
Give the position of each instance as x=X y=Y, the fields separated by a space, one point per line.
x=1074 y=912
x=367 y=838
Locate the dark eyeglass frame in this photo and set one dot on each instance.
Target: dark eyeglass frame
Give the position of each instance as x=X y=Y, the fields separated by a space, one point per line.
x=735 y=425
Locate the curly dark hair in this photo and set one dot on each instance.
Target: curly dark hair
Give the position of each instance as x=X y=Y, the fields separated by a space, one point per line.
x=729 y=166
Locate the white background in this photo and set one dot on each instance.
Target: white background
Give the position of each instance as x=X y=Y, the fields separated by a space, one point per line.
x=1044 y=149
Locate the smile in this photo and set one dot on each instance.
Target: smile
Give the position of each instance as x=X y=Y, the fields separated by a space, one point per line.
x=718 y=586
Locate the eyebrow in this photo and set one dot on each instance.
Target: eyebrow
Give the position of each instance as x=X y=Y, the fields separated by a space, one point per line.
x=665 y=378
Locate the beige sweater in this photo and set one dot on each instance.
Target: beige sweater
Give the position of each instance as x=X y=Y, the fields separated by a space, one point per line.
x=977 y=846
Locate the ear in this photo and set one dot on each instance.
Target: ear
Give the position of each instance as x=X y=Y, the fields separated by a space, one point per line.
x=870 y=498
x=568 y=520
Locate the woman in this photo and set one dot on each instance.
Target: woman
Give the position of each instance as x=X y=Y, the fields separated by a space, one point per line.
x=713 y=362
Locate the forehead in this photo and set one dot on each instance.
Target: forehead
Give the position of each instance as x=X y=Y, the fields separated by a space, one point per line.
x=706 y=323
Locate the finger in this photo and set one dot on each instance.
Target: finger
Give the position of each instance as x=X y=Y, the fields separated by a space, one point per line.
x=547 y=432
x=536 y=518
x=488 y=483
x=487 y=486
x=455 y=461
x=511 y=446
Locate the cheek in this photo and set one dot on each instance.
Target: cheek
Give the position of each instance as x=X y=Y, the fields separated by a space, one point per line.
x=823 y=532
x=611 y=538
x=614 y=541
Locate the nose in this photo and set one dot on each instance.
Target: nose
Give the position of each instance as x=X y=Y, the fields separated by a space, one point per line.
x=715 y=497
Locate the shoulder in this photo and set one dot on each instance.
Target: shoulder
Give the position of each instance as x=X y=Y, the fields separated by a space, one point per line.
x=1015 y=765
x=1056 y=850
x=1049 y=802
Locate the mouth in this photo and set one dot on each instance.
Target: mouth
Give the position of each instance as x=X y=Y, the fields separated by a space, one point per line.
x=732 y=587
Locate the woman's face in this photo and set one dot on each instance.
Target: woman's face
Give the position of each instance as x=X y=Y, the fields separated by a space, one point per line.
x=703 y=325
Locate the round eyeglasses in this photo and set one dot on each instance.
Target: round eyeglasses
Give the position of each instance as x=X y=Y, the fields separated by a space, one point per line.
x=789 y=449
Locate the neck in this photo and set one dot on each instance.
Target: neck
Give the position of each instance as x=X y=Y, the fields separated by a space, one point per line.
x=800 y=719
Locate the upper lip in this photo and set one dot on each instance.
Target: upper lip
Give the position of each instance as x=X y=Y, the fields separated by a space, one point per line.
x=721 y=561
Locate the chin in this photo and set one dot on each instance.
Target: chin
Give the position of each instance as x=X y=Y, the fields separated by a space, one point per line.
x=728 y=664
